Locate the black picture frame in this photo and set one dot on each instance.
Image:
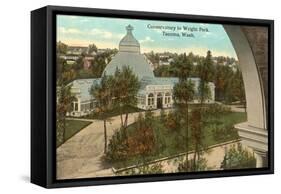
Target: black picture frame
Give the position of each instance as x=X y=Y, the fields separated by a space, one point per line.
x=43 y=96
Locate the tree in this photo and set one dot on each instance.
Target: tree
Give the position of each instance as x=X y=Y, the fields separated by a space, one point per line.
x=183 y=93
x=60 y=65
x=221 y=81
x=64 y=101
x=238 y=158
x=142 y=142
x=125 y=88
x=238 y=90
x=92 y=48
x=102 y=94
x=206 y=73
x=204 y=92
x=61 y=48
x=78 y=65
x=117 y=147
x=196 y=135
x=98 y=65
x=183 y=67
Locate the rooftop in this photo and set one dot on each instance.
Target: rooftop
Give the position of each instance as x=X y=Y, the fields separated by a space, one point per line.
x=129 y=55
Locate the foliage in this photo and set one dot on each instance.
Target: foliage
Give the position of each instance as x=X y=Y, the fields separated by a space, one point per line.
x=98 y=63
x=117 y=147
x=165 y=71
x=238 y=158
x=188 y=165
x=116 y=92
x=142 y=142
x=216 y=109
x=204 y=91
x=103 y=97
x=64 y=102
x=237 y=91
x=156 y=168
x=61 y=48
x=139 y=143
x=222 y=80
x=125 y=87
x=103 y=94
x=174 y=123
x=221 y=132
x=197 y=135
x=63 y=106
x=92 y=48
x=206 y=69
x=183 y=92
x=171 y=141
x=184 y=67
x=224 y=73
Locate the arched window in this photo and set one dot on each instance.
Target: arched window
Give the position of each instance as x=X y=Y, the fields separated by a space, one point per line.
x=150 y=99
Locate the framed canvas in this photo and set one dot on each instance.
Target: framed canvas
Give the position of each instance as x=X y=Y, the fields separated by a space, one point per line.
x=127 y=96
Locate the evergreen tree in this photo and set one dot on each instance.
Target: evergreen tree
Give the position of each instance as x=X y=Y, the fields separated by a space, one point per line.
x=183 y=67
x=206 y=74
x=206 y=70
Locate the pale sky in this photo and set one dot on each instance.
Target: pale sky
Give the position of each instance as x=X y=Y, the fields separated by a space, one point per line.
x=107 y=32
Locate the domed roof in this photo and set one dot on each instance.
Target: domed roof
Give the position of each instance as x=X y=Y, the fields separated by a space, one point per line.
x=135 y=61
x=129 y=55
x=129 y=43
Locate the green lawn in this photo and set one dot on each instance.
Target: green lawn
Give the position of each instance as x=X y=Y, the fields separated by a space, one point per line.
x=169 y=142
x=73 y=127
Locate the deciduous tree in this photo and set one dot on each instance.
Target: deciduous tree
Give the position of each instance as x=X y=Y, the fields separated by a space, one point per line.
x=102 y=94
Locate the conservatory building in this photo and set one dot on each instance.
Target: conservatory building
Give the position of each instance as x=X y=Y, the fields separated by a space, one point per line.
x=154 y=93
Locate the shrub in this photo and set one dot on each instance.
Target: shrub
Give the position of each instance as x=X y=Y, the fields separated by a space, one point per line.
x=117 y=147
x=237 y=158
x=146 y=169
x=173 y=121
x=140 y=143
x=187 y=165
x=224 y=132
